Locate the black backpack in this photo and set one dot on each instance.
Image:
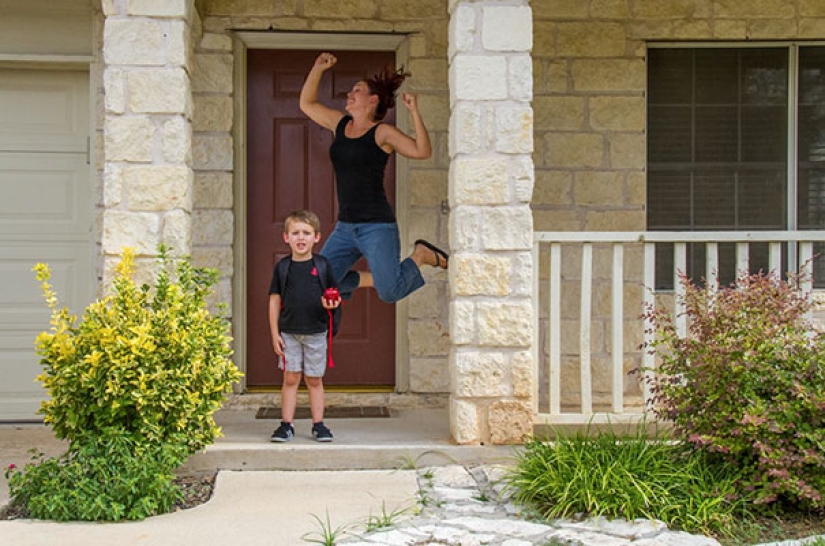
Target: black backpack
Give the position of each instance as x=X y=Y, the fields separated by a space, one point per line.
x=321 y=268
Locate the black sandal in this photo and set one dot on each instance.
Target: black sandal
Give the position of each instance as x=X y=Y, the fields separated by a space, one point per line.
x=439 y=254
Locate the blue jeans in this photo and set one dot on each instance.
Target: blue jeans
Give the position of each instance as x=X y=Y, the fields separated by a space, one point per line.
x=380 y=245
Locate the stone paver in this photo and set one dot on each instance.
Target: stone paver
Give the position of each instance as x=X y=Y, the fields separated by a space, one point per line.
x=471 y=507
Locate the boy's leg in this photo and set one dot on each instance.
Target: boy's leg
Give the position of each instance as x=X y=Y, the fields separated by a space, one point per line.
x=289 y=395
x=292 y=360
x=289 y=399
x=293 y=368
x=315 y=364
x=315 y=386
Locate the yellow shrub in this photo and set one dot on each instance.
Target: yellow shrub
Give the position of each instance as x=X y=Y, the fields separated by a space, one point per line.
x=153 y=364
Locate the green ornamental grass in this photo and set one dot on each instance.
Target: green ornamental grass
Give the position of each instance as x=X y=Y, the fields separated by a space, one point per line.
x=627 y=476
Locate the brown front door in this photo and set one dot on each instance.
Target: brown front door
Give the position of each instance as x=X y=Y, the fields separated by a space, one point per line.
x=289 y=169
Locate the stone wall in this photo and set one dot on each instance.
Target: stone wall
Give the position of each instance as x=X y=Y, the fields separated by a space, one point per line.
x=589 y=82
x=491 y=181
x=214 y=221
x=147 y=177
x=589 y=77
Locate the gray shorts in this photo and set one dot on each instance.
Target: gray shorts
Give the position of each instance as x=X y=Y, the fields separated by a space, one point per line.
x=305 y=353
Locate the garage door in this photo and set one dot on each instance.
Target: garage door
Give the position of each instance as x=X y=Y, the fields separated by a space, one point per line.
x=45 y=216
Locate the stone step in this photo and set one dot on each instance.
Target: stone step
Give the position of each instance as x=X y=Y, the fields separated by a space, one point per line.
x=407 y=439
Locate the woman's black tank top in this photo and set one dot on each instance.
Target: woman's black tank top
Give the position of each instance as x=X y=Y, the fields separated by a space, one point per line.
x=359 y=165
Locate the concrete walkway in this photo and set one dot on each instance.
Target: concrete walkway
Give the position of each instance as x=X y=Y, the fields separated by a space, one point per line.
x=361 y=473
x=438 y=503
x=264 y=508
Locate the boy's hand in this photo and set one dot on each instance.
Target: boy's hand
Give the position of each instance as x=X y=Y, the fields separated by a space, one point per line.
x=278 y=345
x=330 y=304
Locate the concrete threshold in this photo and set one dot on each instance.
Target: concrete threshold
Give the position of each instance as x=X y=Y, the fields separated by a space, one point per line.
x=411 y=438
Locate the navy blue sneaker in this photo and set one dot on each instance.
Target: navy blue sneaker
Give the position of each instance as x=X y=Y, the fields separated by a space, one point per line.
x=283 y=433
x=321 y=433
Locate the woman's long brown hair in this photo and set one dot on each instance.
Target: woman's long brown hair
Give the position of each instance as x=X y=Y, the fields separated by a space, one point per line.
x=385 y=84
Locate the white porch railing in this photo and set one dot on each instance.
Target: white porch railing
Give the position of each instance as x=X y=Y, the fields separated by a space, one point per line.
x=621 y=404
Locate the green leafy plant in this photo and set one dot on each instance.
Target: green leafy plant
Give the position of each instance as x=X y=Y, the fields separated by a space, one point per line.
x=408 y=462
x=107 y=479
x=747 y=382
x=628 y=476
x=386 y=518
x=133 y=388
x=424 y=499
x=326 y=535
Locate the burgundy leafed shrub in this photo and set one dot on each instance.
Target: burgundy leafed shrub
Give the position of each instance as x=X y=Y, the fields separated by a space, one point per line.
x=748 y=383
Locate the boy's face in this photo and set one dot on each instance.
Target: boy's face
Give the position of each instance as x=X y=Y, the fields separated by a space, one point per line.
x=301 y=238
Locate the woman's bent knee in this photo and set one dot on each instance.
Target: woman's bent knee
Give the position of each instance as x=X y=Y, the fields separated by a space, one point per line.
x=388 y=296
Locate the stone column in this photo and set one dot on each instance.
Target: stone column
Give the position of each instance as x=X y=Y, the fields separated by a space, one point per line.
x=491 y=225
x=148 y=178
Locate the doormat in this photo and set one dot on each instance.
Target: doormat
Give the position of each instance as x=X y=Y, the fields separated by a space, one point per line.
x=333 y=412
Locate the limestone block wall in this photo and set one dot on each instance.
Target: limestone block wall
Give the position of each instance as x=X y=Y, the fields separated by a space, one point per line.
x=147 y=177
x=425 y=23
x=491 y=182
x=589 y=82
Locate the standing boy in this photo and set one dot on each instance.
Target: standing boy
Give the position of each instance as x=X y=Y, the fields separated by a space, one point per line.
x=300 y=321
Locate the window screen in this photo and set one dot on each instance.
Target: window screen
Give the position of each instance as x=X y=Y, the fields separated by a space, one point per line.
x=811 y=149
x=717 y=148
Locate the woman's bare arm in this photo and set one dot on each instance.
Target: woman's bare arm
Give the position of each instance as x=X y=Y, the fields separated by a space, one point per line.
x=309 y=104
x=391 y=138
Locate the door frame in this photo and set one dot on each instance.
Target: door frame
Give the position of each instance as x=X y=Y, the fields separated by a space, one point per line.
x=242 y=41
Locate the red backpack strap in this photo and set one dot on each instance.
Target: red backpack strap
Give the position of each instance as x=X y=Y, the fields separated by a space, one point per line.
x=321 y=266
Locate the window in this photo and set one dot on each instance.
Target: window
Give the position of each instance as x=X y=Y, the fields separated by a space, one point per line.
x=721 y=122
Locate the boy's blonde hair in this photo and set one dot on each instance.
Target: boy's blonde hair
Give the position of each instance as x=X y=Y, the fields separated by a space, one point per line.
x=305 y=216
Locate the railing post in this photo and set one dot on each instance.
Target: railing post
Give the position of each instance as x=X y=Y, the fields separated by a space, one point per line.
x=679 y=265
x=806 y=285
x=742 y=259
x=584 y=329
x=536 y=255
x=555 y=329
x=648 y=357
x=775 y=259
x=617 y=321
x=712 y=265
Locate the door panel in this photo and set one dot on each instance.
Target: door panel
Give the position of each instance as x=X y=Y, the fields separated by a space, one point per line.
x=45 y=216
x=23 y=314
x=44 y=194
x=289 y=169
x=44 y=110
